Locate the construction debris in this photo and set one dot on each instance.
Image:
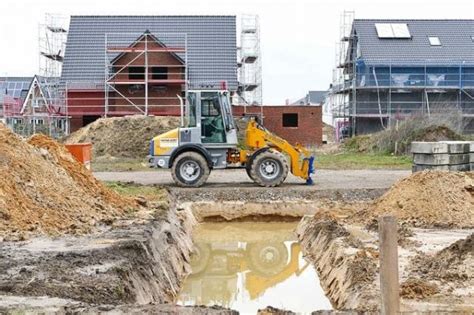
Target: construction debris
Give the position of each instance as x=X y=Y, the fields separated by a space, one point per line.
x=127 y=136
x=45 y=190
x=427 y=199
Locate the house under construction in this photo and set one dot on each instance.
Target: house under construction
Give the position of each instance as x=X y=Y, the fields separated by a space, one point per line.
x=37 y=104
x=125 y=65
x=390 y=70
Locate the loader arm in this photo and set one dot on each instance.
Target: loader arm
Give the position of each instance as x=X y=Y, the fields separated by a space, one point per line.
x=301 y=160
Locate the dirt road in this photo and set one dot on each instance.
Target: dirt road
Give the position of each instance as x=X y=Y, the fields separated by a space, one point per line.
x=324 y=179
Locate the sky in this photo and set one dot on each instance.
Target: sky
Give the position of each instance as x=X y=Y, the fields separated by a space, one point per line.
x=298 y=37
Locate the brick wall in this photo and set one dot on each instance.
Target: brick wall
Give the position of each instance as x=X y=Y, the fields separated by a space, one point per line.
x=309 y=130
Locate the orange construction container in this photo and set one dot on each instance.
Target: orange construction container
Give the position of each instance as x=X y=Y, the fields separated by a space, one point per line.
x=82 y=152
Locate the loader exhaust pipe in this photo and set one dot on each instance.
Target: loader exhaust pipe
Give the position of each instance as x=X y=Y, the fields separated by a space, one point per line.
x=181 y=107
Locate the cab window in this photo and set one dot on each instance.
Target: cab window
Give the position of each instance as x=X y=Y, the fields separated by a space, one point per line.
x=212 y=123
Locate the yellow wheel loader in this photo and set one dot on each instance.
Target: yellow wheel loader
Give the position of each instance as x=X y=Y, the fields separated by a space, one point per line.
x=207 y=140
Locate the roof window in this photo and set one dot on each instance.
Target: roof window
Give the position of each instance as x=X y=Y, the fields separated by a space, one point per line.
x=434 y=41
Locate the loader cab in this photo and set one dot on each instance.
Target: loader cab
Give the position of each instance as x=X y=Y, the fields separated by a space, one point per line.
x=207 y=119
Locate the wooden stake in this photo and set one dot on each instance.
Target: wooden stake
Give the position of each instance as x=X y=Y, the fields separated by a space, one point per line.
x=389 y=286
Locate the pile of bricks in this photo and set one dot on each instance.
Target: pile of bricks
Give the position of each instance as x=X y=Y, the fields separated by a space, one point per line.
x=443 y=155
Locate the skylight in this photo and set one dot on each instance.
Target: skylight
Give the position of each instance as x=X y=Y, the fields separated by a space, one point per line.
x=434 y=41
x=392 y=30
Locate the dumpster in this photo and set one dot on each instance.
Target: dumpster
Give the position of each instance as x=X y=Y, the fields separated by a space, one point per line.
x=82 y=152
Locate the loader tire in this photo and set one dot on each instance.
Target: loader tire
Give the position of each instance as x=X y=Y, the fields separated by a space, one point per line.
x=269 y=168
x=190 y=169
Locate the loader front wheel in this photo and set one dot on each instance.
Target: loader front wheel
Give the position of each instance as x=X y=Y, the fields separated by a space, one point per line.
x=190 y=169
x=269 y=168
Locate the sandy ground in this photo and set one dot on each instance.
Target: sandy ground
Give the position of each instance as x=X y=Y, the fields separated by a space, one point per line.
x=324 y=179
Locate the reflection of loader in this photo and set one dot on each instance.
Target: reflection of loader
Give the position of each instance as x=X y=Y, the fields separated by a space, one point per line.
x=257 y=283
x=215 y=269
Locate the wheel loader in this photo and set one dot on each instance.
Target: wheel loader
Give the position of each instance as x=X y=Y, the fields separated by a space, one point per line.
x=207 y=140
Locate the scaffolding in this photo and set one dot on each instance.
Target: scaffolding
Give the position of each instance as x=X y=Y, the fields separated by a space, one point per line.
x=385 y=91
x=249 y=61
x=342 y=74
x=145 y=73
x=52 y=36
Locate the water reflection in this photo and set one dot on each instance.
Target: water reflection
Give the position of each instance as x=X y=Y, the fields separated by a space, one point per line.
x=249 y=265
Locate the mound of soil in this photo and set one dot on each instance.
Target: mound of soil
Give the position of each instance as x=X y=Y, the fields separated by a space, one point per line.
x=417 y=289
x=436 y=133
x=455 y=262
x=45 y=190
x=428 y=199
x=330 y=132
x=127 y=136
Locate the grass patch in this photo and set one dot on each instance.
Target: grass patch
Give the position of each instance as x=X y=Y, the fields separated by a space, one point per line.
x=150 y=192
x=355 y=160
x=119 y=165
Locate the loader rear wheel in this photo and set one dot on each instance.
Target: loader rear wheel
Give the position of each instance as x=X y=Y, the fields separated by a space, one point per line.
x=269 y=168
x=190 y=169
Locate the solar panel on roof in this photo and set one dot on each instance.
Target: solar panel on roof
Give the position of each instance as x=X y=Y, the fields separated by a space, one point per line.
x=392 y=30
x=400 y=30
x=384 y=30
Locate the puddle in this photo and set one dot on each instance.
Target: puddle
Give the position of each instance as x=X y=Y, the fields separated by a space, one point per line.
x=246 y=266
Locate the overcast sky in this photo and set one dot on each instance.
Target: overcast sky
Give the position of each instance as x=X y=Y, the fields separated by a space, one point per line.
x=297 y=37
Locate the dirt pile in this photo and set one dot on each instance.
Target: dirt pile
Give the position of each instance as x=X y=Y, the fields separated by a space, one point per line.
x=330 y=133
x=417 y=289
x=427 y=199
x=455 y=262
x=127 y=136
x=45 y=190
x=436 y=133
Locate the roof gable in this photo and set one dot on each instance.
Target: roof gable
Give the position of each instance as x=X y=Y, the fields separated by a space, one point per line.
x=136 y=42
x=35 y=90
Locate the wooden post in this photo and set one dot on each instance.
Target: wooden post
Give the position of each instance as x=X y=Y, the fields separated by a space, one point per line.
x=388 y=246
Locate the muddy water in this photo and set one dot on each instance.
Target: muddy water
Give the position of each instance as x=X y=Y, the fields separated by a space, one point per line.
x=246 y=266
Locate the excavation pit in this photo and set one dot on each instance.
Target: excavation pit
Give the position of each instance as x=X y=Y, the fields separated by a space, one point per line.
x=246 y=266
